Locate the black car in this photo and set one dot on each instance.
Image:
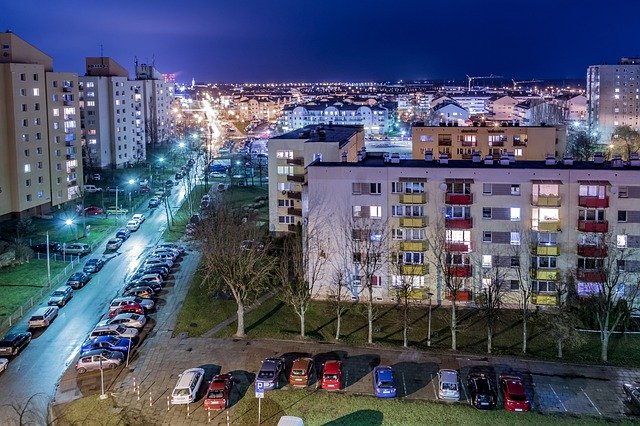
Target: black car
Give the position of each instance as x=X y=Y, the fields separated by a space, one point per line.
x=632 y=393
x=13 y=343
x=164 y=272
x=42 y=248
x=157 y=288
x=93 y=265
x=168 y=183
x=78 y=280
x=483 y=395
x=179 y=176
x=191 y=162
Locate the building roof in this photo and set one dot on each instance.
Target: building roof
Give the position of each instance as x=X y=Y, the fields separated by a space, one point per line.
x=331 y=133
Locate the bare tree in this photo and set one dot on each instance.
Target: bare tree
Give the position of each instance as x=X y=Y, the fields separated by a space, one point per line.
x=495 y=283
x=561 y=319
x=233 y=257
x=522 y=247
x=404 y=289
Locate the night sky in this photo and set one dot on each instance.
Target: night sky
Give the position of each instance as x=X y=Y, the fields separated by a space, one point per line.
x=333 y=40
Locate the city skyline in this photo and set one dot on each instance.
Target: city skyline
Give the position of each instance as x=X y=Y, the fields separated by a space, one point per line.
x=298 y=41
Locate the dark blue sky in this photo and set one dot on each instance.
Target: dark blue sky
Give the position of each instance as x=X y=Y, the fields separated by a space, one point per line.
x=332 y=40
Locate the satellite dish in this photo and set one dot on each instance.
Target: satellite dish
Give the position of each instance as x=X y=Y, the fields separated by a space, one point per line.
x=614 y=189
x=443 y=187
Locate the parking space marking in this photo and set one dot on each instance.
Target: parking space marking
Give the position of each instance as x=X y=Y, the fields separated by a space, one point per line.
x=435 y=390
x=464 y=390
x=591 y=402
x=554 y=392
x=404 y=384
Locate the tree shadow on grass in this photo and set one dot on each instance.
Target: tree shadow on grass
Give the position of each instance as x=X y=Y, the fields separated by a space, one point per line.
x=265 y=317
x=360 y=417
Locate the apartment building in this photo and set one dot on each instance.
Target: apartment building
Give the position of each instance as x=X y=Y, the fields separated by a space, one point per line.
x=157 y=98
x=613 y=96
x=113 y=121
x=533 y=219
x=375 y=119
x=290 y=154
x=39 y=131
x=460 y=142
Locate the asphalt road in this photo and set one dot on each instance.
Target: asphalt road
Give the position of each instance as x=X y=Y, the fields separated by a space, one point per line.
x=37 y=370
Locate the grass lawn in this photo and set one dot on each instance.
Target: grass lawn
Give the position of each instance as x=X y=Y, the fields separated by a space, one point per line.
x=19 y=283
x=182 y=216
x=246 y=196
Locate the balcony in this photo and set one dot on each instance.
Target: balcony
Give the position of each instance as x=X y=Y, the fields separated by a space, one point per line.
x=520 y=142
x=294 y=195
x=590 y=275
x=461 y=247
x=497 y=143
x=295 y=178
x=413 y=269
x=460 y=271
x=593 y=225
x=542 y=250
x=544 y=299
x=67 y=89
x=546 y=201
x=295 y=161
x=461 y=295
x=463 y=199
x=444 y=142
x=550 y=226
x=592 y=251
x=413 y=222
x=545 y=274
x=594 y=202
x=294 y=212
x=413 y=198
x=413 y=246
x=67 y=103
x=466 y=223
x=291 y=227
x=468 y=144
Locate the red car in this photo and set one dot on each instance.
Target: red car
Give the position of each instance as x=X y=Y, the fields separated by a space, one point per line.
x=331 y=375
x=219 y=392
x=91 y=210
x=514 y=394
x=130 y=308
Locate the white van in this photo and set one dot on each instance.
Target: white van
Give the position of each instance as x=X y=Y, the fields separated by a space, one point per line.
x=43 y=317
x=186 y=390
x=91 y=189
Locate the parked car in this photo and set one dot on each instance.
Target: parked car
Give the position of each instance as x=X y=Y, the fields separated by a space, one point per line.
x=143 y=182
x=12 y=343
x=123 y=234
x=114 y=189
x=219 y=393
x=449 y=387
x=483 y=396
x=114 y=244
x=179 y=175
x=139 y=217
x=168 y=183
x=186 y=390
x=91 y=189
x=270 y=372
x=161 y=270
x=154 y=261
x=4 y=363
x=384 y=384
x=93 y=265
x=129 y=308
x=514 y=394
x=301 y=372
x=151 y=279
x=43 y=317
x=144 y=292
x=163 y=255
x=76 y=248
x=145 y=189
x=160 y=193
x=60 y=296
x=121 y=301
x=206 y=197
x=128 y=320
x=93 y=210
x=331 y=375
x=113 y=343
x=154 y=287
x=99 y=358
x=96 y=176
x=154 y=202
x=78 y=280
x=633 y=394
x=133 y=225
x=116 y=210
x=117 y=330
x=174 y=246
x=42 y=248
x=191 y=162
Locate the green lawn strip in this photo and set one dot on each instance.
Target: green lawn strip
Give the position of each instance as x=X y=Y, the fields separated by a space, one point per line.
x=182 y=216
x=90 y=411
x=246 y=196
x=21 y=282
x=323 y=408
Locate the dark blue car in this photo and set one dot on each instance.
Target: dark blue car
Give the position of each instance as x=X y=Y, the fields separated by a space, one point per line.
x=384 y=384
x=107 y=342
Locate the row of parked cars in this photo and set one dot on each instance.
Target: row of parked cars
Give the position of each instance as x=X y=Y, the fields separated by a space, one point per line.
x=113 y=339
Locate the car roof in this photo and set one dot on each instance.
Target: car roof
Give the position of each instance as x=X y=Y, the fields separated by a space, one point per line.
x=332 y=367
x=95 y=352
x=269 y=364
x=301 y=363
x=448 y=375
x=514 y=385
x=384 y=373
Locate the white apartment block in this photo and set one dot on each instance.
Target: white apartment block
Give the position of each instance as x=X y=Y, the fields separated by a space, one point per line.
x=613 y=96
x=157 y=96
x=375 y=119
x=542 y=218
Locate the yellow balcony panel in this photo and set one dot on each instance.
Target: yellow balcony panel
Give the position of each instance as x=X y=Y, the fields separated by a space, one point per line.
x=414 y=269
x=545 y=274
x=547 y=201
x=548 y=250
x=413 y=198
x=413 y=246
x=551 y=226
x=413 y=222
x=544 y=299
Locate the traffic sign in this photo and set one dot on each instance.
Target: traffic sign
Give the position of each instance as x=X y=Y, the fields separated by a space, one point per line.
x=259 y=389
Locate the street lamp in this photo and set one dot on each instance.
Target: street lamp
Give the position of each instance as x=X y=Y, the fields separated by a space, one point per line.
x=69 y=222
x=131 y=182
x=429 y=295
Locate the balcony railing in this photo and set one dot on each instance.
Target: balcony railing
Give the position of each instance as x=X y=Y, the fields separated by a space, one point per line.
x=295 y=161
x=593 y=225
x=461 y=295
x=466 y=223
x=295 y=195
x=413 y=246
x=451 y=198
x=413 y=222
x=551 y=226
x=67 y=89
x=460 y=271
x=295 y=178
x=462 y=247
x=592 y=251
x=544 y=299
x=469 y=144
x=594 y=202
x=590 y=275
x=444 y=142
x=545 y=274
x=294 y=212
x=542 y=250
x=413 y=269
x=546 y=201
x=413 y=198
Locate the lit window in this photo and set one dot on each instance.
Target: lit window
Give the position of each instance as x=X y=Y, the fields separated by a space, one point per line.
x=515 y=214
x=518 y=152
x=27 y=168
x=486 y=261
x=36 y=91
x=56 y=112
x=515 y=238
x=621 y=241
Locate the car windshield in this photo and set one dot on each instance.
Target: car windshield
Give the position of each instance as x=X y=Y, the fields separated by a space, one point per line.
x=217 y=393
x=450 y=386
x=384 y=384
x=37 y=317
x=517 y=397
x=484 y=398
x=331 y=377
x=58 y=293
x=265 y=375
x=181 y=392
x=298 y=372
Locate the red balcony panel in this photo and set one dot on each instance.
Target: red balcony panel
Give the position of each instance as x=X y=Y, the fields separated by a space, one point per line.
x=590 y=276
x=459 y=223
x=458 y=247
x=458 y=198
x=461 y=295
x=593 y=225
x=593 y=201
x=592 y=251
x=460 y=271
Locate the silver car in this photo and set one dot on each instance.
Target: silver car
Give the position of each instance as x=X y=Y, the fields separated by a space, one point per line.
x=99 y=358
x=449 y=388
x=128 y=320
x=61 y=296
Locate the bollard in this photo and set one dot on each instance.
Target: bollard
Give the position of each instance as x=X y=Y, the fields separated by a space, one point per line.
x=228 y=420
x=168 y=403
x=188 y=410
x=138 y=392
x=134 y=384
x=208 y=416
x=150 y=400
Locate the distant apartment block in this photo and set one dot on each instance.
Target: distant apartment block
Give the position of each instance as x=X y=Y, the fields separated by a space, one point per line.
x=40 y=165
x=613 y=96
x=374 y=119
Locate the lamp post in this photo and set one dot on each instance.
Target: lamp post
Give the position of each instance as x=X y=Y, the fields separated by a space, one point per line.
x=430 y=295
x=131 y=182
x=69 y=222
x=102 y=394
x=48 y=262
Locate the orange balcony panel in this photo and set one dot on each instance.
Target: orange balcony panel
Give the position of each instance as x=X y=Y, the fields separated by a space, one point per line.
x=590 y=276
x=593 y=202
x=458 y=247
x=459 y=223
x=592 y=251
x=593 y=225
x=458 y=199
x=461 y=295
x=460 y=271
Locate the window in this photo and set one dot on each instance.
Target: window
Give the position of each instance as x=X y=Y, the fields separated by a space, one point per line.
x=286 y=219
x=518 y=152
x=284 y=154
x=515 y=214
x=285 y=170
x=28 y=197
x=623 y=192
x=40 y=194
x=27 y=182
x=543 y=286
x=411 y=258
x=285 y=203
x=397 y=234
x=23 y=77
x=486 y=212
x=376 y=188
x=515 y=189
x=27 y=168
x=486 y=189
x=547 y=238
x=24 y=107
x=56 y=112
x=514 y=285
x=486 y=261
x=546 y=262
x=23 y=92
x=622 y=215
x=41 y=179
x=486 y=237
x=426 y=138
x=515 y=261
x=621 y=241
x=375 y=212
x=515 y=238
x=36 y=91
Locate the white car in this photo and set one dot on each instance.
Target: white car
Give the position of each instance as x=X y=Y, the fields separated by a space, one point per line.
x=3 y=364
x=128 y=320
x=449 y=388
x=162 y=253
x=155 y=260
x=117 y=330
x=133 y=225
x=114 y=244
x=186 y=389
x=43 y=317
x=178 y=247
x=139 y=217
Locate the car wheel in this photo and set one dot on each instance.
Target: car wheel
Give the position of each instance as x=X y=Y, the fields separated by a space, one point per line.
x=113 y=366
x=82 y=370
x=629 y=399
